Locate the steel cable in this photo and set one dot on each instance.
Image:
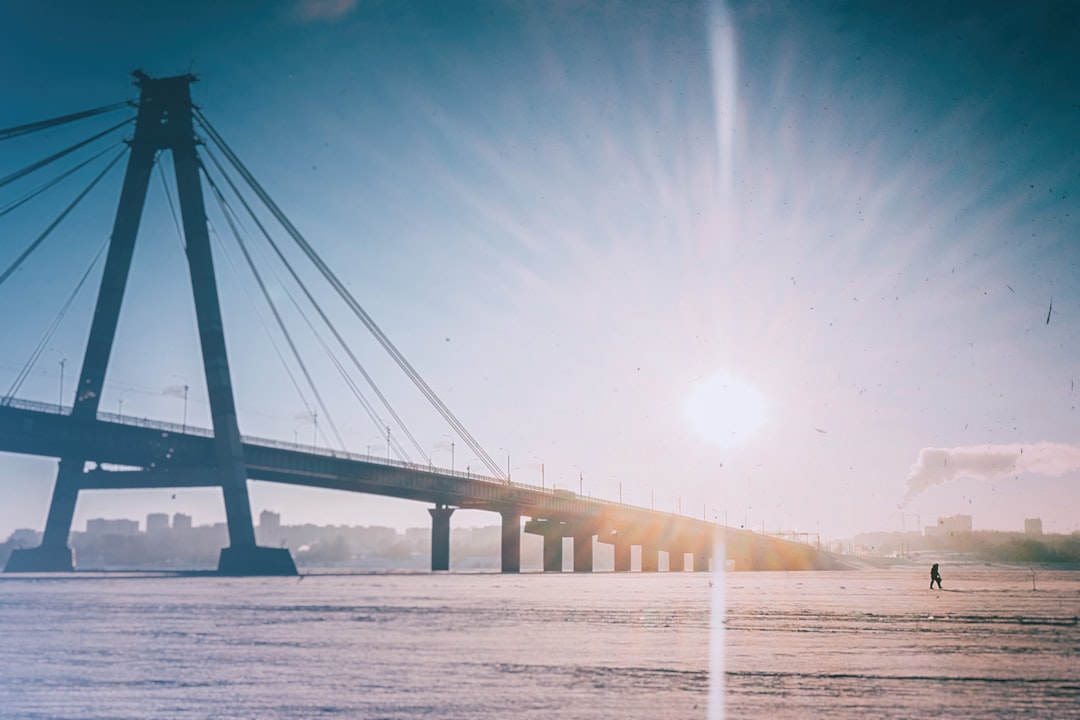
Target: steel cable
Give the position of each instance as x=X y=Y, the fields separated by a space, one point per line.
x=350 y=301
x=18 y=130
x=322 y=314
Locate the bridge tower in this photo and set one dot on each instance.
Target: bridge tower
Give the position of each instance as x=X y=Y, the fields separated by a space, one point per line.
x=164 y=123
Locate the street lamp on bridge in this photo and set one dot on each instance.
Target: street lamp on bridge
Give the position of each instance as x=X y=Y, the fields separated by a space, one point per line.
x=180 y=391
x=443 y=446
x=310 y=416
x=507 y=463
x=60 y=397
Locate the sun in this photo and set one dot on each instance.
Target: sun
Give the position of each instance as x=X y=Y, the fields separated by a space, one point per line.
x=725 y=410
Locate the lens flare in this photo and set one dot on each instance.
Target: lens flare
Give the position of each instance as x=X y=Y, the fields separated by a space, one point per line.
x=725 y=410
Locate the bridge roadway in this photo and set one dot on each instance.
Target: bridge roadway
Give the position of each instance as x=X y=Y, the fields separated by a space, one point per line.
x=130 y=453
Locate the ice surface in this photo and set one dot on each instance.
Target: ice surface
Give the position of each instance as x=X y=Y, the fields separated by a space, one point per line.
x=852 y=644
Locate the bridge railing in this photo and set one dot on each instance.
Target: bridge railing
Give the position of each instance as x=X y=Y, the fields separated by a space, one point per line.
x=419 y=467
x=181 y=429
x=21 y=404
x=57 y=409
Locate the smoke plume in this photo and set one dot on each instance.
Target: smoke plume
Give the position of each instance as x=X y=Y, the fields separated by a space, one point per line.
x=988 y=462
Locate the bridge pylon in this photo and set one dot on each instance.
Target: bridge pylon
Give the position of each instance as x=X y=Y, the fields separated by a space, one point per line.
x=164 y=123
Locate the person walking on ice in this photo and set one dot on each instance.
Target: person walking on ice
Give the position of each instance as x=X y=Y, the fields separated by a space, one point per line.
x=935 y=577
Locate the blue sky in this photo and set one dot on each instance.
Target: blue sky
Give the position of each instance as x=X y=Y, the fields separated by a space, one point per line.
x=752 y=258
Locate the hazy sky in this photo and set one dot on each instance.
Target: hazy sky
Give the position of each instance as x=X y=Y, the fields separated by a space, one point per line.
x=766 y=259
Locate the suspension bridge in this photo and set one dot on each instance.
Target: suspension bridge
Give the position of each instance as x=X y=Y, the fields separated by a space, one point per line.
x=100 y=450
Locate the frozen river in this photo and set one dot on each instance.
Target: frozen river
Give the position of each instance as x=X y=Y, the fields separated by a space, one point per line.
x=852 y=644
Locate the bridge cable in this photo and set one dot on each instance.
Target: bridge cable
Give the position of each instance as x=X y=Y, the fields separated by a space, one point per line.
x=44 y=124
x=59 y=218
x=350 y=301
x=322 y=314
x=229 y=214
x=373 y=415
x=273 y=343
x=183 y=245
x=44 y=341
x=224 y=250
x=23 y=172
x=358 y=311
x=52 y=183
x=172 y=205
x=394 y=442
x=368 y=408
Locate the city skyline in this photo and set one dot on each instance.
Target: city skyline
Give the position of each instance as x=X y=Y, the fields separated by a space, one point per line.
x=808 y=267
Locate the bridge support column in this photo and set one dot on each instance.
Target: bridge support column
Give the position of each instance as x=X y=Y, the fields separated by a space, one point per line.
x=702 y=553
x=552 y=532
x=553 y=548
x=650 y=558
x=255 y=560
x=511 y=541
x=53 y=555
x=622 y=555
x=440 y=537
x=583 y=552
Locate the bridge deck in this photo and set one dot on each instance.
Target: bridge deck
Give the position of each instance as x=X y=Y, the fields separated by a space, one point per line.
x=129 y=452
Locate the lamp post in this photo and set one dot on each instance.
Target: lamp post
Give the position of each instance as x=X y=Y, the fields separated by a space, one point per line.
x=184 y=388
x=541 y=462
x=301 y=419
x=507 y=464
x=60 y=401
x=371 y=443
x=60 y=396
x=451 y=450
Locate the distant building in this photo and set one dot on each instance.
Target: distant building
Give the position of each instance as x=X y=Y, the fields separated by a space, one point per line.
x=418 y=537
x=887 y=543
x=25 y=537
x=180 y=521
x=102 y=526
x=950 y=526
x=1033 y=526
x=269 y=520
x=157 y=522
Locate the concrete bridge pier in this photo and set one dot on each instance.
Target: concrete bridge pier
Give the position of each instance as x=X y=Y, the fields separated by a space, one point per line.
x=622 y=555
x=650 y=558
x=702 y=553
x=511 y=541
x=620 y=545
x=583 y=551
x=440 y=537
x=552 y=532
x=53 y=555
